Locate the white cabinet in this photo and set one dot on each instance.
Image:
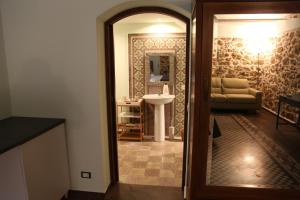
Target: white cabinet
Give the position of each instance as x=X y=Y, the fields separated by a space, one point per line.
x=37 y=169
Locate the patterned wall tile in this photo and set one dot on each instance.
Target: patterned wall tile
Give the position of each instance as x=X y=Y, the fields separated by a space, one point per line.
x=139 y=44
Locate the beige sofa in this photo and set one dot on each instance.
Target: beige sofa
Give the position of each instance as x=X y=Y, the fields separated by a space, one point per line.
x=234 y=93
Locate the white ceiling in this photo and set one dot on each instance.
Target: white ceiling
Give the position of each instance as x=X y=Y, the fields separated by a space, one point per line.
x=252 y=16
x=153 y=19
x=149 y=18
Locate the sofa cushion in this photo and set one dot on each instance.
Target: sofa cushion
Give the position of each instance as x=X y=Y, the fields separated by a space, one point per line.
x=235 y=86
x=216 y=85
x=220 y=98
x=235 y=91
x=240 y=98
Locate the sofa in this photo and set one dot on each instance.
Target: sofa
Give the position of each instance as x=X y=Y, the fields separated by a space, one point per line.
x=234 y=93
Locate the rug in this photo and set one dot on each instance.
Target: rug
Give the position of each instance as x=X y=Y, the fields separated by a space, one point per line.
x=245 y=156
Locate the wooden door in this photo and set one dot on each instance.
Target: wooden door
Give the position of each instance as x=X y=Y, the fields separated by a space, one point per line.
x=201 y=64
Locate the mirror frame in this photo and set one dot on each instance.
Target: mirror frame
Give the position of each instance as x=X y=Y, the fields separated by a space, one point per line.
x=204 y=12
x=172 y=67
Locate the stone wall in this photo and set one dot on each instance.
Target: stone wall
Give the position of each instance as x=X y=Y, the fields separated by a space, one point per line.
x=282 y=76
x=274 y=73
x=232 y=59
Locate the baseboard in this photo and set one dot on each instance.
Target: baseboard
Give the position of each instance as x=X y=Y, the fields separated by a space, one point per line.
x=280 y=116
x=150 y=137
x=83 y=195
x=64 y=198
x=109 y=186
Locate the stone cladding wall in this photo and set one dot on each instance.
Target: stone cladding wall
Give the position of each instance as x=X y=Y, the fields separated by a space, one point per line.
x=274 y=73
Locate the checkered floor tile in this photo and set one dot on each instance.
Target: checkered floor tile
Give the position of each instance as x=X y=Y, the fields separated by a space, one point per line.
x=150 y=163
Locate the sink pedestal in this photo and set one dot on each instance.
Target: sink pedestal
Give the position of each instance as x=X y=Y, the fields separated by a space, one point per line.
x=159 y=123
x=159 y=113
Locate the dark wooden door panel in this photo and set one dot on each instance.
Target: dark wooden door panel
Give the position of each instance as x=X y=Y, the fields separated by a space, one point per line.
x=201 y=63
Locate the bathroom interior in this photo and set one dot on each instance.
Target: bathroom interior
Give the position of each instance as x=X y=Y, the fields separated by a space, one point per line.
x=255 y=88
x=150 y=86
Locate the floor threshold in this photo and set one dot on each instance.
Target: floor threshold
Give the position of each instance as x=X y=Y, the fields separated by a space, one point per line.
x=120 y=191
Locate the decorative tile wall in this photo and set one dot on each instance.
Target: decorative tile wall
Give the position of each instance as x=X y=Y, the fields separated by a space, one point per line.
x=274 y=73
x=139 y=44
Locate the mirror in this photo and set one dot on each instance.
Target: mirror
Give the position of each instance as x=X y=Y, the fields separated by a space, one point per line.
x=159 y=67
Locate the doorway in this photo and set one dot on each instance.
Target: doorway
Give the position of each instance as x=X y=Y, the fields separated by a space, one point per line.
x=212 y=43
x=116 y=129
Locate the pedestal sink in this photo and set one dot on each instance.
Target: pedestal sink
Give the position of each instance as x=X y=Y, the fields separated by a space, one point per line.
x=159 y=114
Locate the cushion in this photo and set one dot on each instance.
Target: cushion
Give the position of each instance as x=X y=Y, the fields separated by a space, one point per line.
x=235 y=91
x=216 y=90
x=237 y=83
x=235 y=86
x=216 y=85
x=240 y=98
x=220 y=98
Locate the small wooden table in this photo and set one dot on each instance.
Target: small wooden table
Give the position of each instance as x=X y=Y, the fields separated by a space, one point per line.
x=130 y=120
x=293 y=100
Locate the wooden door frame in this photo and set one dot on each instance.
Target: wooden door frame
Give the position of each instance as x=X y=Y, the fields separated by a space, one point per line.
x=205 y=11
x=110 y=82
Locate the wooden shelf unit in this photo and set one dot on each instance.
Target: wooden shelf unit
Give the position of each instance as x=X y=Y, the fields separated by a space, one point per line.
x=130 y=120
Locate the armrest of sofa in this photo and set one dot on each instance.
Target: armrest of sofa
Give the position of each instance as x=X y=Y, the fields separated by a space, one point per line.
x=257 y=94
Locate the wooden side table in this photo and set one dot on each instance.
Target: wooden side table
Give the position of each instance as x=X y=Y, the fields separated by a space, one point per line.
x=293 y=100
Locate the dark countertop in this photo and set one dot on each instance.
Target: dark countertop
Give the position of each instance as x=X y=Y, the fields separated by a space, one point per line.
x=15 y=131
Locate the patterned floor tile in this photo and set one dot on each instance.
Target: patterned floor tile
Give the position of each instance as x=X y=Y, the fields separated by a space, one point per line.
x=155 y=158
x=239 y=158
x=142 y=158
x=139 y=164
x=168 y=159
x=155 y=153
x=150 y=163
x=152 y=172
x=167 y=173
x=153 y=165
x=136 y=172
x=124 y=170
x=169 y=166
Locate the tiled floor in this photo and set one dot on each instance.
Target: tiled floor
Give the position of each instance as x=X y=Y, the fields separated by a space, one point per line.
x=150 y=163
x=245 y=156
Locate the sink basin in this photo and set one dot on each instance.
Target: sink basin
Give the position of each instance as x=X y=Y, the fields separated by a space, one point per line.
x=158 y=99
x=159 y=113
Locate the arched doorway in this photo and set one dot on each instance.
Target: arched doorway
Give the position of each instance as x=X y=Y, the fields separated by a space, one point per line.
x=110 y=81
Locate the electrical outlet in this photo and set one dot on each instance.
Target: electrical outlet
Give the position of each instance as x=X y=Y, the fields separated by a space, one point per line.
x=87 y=175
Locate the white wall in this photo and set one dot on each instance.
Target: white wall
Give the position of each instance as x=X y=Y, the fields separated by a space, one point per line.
x=121 y=31
x=4 y=88
x=240 y=29
x=51 y=51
